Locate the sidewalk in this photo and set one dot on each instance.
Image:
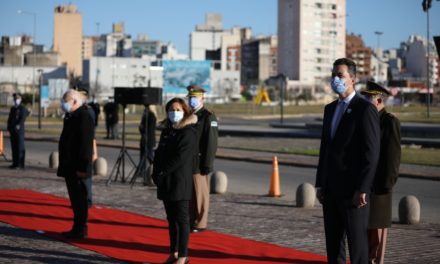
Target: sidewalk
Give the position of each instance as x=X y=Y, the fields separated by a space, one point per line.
x=272 y=220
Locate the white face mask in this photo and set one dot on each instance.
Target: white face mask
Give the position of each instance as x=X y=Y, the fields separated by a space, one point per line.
x=175 y=116
x=17 y=102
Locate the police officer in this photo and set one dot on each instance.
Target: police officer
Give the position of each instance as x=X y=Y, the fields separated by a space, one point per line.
x=16 y=119
x=386 y=174
x=207 y=130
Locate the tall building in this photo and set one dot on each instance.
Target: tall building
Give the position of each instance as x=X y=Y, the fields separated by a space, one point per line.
x=311 y=35
x=67 y=37
x=259 y=60
x=360 y=54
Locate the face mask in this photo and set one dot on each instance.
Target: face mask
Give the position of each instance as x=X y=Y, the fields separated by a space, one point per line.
x=17 y=102
x=338 y=85
x=66 y=106
x=194 y=102
x=175 y=116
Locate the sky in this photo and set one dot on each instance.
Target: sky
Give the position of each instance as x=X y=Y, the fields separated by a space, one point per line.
x=173 y=20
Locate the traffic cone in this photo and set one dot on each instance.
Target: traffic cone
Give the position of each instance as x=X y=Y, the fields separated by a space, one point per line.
x=1 y=142
x=95 y=151
x=274 y=189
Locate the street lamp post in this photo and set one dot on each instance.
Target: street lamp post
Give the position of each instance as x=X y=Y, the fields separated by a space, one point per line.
x=282 y=80
x=378 y=34
x=34 y=15
x=40 y=82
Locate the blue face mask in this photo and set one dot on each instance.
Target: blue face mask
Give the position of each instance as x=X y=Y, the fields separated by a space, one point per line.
x=194 y=103
x=175 y=116
x=338 y=85
x=66 y=106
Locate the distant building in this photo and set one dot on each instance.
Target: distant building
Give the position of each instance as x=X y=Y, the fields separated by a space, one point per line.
x=117 y=43
x=144 y=46
x=311 y=35
x=67 y=37
x=360 y=54
x=259 y=60
x=102 y=74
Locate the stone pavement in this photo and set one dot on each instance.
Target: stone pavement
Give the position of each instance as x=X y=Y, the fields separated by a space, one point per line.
x=272 y=220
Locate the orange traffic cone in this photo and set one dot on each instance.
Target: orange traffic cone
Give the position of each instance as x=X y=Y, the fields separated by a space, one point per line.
x=1 y=142
x=274 y=189
x=95 y=151
x=2 y=153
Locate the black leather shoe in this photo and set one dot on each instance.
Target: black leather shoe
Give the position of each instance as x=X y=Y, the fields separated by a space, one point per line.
x=74 y=234
x=197 y=230
x=170 y=260
x=13 y=167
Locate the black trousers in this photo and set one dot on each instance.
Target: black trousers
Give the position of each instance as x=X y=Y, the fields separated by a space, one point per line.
x=343 y=220
x=78 y=199
x=178 y=226
x=17 y=148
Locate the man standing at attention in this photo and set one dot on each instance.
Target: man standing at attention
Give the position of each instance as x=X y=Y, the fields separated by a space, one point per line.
x=386 y=174
x=349 y=152
x=207 y=132
x=75 y=158
x=17 y=116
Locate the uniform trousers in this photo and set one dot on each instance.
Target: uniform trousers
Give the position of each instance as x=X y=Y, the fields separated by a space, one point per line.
x=178 y=226
x=18 y=149
x=377 y=239
x=200 y=202
x=342 y=219
x=78 y=199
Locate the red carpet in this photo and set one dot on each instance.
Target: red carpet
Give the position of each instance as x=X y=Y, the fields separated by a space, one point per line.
x=136 y=238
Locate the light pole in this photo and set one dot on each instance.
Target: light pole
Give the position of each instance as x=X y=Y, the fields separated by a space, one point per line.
x=40 y=82
x=283 y=82
x=34 y=15
x=379 y=34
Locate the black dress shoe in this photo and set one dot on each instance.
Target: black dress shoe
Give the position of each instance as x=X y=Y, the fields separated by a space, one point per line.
x=74 y=234
x=13 y=167
x=170 y=260
x=197 y=230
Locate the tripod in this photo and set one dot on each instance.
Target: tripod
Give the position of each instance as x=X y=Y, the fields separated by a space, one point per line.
x=144 y=167
x=117 y=170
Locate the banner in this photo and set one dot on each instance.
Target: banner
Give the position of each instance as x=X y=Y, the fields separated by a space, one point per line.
x=178 y=74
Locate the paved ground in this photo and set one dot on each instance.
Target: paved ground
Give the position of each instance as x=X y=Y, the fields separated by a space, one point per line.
x=272 y=220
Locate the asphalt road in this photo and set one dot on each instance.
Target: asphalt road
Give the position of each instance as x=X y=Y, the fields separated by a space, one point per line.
x=254 y=178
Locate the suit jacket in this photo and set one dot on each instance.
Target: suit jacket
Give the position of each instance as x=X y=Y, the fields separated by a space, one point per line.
x=347 y=163
x=387 y=171
x=76 y=143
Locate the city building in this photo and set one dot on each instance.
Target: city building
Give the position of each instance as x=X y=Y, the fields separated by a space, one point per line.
x=360 y=54
x=102 y=74
x=143 y=46
x=67 y=37
x=115 y=44
x=259 y=60
x=311 y=36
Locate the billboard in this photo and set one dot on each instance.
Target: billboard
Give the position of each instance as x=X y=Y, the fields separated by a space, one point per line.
x=178 y=74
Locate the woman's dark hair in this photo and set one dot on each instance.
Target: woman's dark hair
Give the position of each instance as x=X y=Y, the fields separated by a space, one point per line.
x=185 y=107
x=351 y=65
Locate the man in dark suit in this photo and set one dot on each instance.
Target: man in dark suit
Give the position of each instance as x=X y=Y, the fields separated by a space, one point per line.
x=75 y=158
x=386 y=174
x=348 y=159
x=111 y=119
x=16 y=119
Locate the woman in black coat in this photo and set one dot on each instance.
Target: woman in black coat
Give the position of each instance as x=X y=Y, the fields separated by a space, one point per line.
x=172 y=173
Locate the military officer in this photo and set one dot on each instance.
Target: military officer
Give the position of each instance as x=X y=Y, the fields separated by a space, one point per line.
x=16 y=119
x=207 y=130
x=386 y=173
